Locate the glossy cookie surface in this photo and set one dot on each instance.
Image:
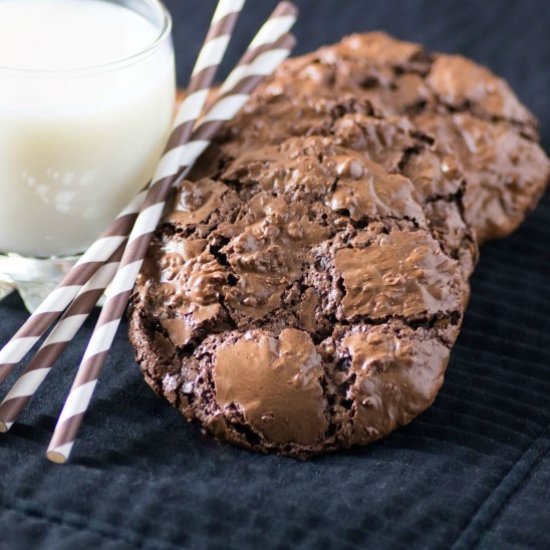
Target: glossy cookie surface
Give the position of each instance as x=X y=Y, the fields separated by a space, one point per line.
x=467 y=110
x=297 y=301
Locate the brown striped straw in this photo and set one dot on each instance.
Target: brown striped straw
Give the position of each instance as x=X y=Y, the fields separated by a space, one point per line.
x=58 y=300
x=204 y=72
x=50 y=310
x=227 y=105
x=63 y=332
x=276 y=26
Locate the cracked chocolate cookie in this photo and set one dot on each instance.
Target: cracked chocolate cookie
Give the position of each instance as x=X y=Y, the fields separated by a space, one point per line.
x=392 y=142
x=295 y=298
x=466 y=110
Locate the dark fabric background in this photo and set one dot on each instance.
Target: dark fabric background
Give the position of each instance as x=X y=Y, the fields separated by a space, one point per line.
x=472 y=472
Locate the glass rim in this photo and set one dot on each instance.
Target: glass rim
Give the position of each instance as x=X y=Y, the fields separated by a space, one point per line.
x=164 y=33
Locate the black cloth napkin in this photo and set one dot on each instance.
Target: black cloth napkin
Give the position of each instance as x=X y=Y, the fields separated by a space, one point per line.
x=472 y=472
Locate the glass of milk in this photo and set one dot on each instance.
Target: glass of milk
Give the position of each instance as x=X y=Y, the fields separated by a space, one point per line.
x=87 y=90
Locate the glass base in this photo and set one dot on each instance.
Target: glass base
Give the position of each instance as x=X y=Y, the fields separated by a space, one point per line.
x=33 y=278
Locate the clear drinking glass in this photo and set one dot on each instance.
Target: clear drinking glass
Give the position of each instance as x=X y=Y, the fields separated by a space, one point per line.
x=75 y=146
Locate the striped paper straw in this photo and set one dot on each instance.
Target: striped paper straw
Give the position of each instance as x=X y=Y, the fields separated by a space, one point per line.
x=170 y=170
x=58 y=300
x=204 y=72
x=276 y=26
x=64 y=331
x=214 y=47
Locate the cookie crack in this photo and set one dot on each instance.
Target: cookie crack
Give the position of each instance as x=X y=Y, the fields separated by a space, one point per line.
x=526 y=130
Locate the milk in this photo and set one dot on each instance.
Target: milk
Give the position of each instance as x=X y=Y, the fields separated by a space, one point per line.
x=82 y=126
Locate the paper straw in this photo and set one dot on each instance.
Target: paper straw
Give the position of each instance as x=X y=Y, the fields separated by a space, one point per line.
x=170 y=170
x=277 y=25
x=56 y=302
x=203 y=75
x=207 y=63
x=64 y=331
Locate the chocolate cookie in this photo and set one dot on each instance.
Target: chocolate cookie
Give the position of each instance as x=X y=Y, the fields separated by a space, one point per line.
x=439 y=185
x=295 y=299
x=463 y=107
